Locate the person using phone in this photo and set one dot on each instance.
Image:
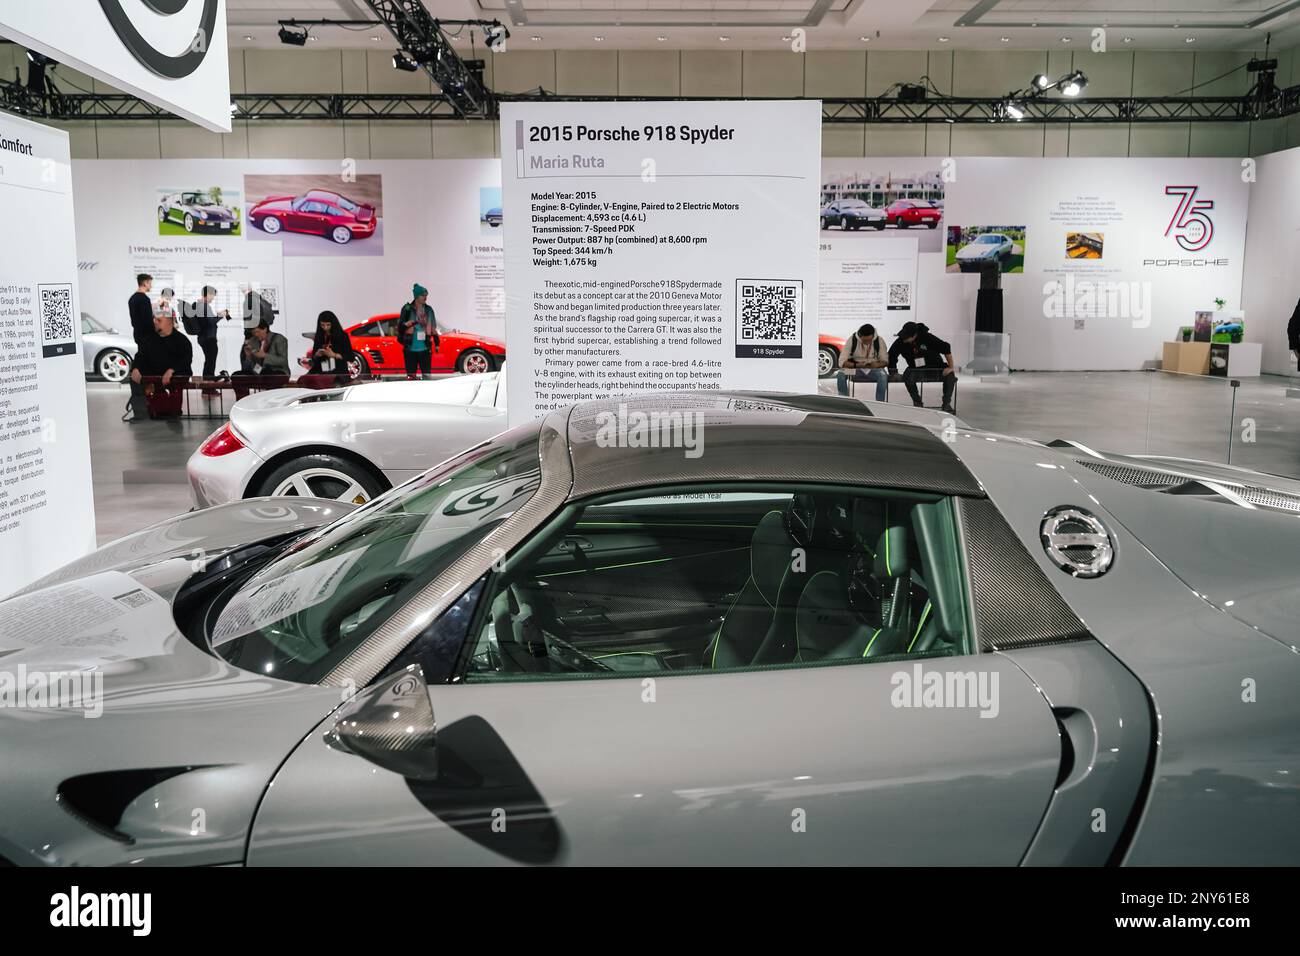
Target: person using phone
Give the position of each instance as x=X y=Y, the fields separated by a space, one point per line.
x=331 y=349
x=865 y=360
x=417 y=330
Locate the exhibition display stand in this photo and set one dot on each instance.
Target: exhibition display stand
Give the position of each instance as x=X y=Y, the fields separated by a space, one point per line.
x=1199 y=358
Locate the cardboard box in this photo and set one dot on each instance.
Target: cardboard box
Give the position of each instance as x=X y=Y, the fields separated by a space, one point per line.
x=1189 y=357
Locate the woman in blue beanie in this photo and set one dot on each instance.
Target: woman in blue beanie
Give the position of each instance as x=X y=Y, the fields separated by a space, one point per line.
x=417 y=330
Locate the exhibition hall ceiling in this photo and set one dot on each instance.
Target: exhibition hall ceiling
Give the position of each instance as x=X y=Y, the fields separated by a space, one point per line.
x=829 y=24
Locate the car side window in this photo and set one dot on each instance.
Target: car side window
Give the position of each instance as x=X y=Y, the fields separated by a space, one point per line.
x=715 y=580
x=366 y=331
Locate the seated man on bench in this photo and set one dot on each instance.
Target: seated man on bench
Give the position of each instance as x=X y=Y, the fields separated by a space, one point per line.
x=916 y=344
x=264 y=361
x=864 y=360
x=159 y=371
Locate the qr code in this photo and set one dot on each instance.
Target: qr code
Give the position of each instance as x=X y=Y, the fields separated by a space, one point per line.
x=271 y=294
x=133 y=599
x=769 y=310
x=900 y=295
x=56 y=313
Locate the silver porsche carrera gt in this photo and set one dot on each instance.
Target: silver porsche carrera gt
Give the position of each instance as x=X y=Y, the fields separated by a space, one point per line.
x=730 y=627
x=349 y=443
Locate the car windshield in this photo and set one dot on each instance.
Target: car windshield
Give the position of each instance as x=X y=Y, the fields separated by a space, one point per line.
x=989 y=239
x=852 y=204
x=91 y=324
x=302 y=614
x=191 y=199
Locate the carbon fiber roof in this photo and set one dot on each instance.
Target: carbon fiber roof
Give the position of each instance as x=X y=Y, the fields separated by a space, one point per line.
x=694 y=437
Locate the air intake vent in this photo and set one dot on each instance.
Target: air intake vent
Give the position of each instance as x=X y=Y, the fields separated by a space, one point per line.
x=1141 y=477
x=1185 y=484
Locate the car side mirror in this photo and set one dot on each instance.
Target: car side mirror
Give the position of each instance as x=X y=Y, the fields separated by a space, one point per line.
x=391 y=724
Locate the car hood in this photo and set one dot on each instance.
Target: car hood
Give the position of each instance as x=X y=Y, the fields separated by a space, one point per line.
x=214 y=212
x=1232 y=535
x=973 y=251
x=134 y=744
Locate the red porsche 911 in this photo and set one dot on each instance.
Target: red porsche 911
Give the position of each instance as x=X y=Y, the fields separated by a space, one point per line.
x=377 y=351
x=317 y=212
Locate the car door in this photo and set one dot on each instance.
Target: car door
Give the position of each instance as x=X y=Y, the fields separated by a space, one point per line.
x=843 y=762
x=389 y=349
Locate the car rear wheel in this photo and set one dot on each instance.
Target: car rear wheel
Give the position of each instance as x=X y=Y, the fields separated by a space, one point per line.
x=931 y=224
x=113 y=365
x=844 y=223
x=321 y=476
x=474 y=361
x=162 y=214
x=898 y=221
x=189 y=223
x=825 y=223
x=358 y=366
x=827 y=359
x=880 y=224
x=271 y=224
x=341 y=234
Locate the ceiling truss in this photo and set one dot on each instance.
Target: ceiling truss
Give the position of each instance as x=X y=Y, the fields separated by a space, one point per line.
x=327 y=107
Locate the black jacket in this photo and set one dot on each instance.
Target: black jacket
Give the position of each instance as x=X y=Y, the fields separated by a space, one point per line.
x=339 y=342
x=141 y=311
x=926 y=349
x=158 y=353
x=1293 y=329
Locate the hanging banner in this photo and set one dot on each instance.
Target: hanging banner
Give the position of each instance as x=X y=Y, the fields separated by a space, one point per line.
x=658 y=246
x=171 y=53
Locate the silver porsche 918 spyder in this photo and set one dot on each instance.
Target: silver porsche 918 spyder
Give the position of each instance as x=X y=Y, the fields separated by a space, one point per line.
x=733 y=628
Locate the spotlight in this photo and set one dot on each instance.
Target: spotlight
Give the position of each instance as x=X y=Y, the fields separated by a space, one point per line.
x=1041 y=81
x=293 y=37
x=1014 y=110
x=1073 y=84
x=404 y=63
x=494 y=35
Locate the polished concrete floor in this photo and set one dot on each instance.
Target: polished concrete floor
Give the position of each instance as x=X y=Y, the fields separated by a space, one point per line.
x=139 y=470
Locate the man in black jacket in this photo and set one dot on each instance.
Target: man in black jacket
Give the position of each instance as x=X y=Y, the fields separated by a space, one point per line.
x=165 y=355
x=141 y=309
x=208 y=319
x=917 y=344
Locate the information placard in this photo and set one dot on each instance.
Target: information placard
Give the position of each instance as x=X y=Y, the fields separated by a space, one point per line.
x=659 y=247
x=47 y=513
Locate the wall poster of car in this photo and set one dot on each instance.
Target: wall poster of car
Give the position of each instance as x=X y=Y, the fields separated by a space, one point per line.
x=489 y=210
x=970 y=247
x=883 y=202
x=321 y=214
x=199 y=210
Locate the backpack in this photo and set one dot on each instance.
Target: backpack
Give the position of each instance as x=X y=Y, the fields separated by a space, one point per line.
x=190 y=317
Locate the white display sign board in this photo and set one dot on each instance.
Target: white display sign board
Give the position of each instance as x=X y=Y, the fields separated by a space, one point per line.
x=169 y=52
x=868 y=280
x=659 y=246
x=230 y=269
x=47 y=513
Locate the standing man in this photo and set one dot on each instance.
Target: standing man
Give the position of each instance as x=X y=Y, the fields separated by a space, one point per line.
x=165 y=356
x=916 y=343
x=417 y=327
x=866 y=358
x=256 y=311
x=141 y=309
x=208 y=319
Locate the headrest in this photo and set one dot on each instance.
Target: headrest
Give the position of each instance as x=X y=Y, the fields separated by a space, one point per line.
x=892 y=547
x=769 y=555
